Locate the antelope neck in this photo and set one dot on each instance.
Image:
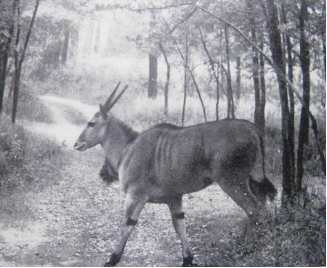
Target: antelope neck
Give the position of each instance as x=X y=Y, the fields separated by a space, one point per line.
x=117 y=137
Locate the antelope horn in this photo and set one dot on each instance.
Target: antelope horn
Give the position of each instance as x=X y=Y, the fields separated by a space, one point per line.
x=120 y=94
x=106 y=105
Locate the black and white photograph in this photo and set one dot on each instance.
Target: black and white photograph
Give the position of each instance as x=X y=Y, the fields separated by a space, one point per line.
x=163 y=133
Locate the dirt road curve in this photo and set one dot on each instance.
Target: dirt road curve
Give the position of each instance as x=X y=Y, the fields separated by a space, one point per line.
x=76 y=222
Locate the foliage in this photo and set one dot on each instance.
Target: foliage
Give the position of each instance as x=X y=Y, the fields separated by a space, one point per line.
x=295 y=236
x=26 y=161
x=30 y=107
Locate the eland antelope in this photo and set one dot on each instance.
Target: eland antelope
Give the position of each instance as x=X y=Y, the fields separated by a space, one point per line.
x=165 y=162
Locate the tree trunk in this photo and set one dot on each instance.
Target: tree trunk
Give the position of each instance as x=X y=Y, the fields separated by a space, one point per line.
x=217 y=92
x=262 y=118
x=277 y=55
x=167 y=78
x=215 y=74
x=230 y=102
x=305 y=67
x=19 y=59
x=238 y=78
x=64 y=51
x=291 y=120
x=193 y=78
x=185 y=78
x=5 y=47
x=255 y=67
x=153 y=74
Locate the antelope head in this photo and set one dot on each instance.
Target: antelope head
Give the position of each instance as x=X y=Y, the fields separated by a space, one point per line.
x=95 y=131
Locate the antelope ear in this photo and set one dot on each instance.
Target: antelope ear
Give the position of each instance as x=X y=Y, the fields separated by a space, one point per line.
x=103 y=113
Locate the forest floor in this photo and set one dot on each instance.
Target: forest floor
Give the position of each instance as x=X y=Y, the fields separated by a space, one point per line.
x=76 y=220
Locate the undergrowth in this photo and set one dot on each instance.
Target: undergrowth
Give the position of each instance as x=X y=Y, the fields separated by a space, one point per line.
x=28 y=163
x=294 y=236
x=29 y=108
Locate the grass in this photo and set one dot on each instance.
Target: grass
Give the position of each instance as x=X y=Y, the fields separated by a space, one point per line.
x=295 y=236
x=30 y=108
x=28 y=163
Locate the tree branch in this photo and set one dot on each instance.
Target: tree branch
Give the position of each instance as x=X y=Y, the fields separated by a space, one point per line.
x=181 y=22
x=153 y=8
x=191 y=73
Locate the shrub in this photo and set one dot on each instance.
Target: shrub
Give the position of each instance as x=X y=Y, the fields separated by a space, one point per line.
x=12 y=147
x=29 y=108
x=295 y=236
x=26 y=160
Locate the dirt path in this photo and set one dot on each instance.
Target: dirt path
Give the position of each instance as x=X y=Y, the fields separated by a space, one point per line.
x=76 y=222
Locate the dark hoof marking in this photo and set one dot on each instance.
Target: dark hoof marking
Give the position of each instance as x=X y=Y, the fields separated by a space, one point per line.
x=179 y=216
x=114 y=259
x=187 y=262
x=131 y=222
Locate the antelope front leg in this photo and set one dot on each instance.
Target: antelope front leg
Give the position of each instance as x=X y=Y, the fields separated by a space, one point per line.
x=176 y=210
x=133 y=210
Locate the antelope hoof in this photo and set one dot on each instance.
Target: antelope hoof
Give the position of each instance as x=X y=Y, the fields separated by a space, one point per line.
x=108 y=264
x=114 y=259
x=188 y=262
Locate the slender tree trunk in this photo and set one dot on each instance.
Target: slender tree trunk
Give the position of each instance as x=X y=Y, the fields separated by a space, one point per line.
x=277 y=55
x=167 y=78
x=238 y=78
x=153 y=74
x=185 y=78
x=230 y=102
x=64 y=51
x=19 y=59
x=217 y=91
x=255 y=67
x=262 y=119
x=193 y=78
x=305 y=67
x=5 y=49
x=17 y=71
x=215 y=74
x=199 y=94
x=323 y=38
x=289 y=53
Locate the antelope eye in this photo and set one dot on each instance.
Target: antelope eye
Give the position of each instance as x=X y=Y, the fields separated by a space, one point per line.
x=90 y=124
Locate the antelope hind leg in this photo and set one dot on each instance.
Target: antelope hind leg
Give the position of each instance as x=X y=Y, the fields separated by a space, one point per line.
x=176 y=210
x=134 y=207
x=236 y=186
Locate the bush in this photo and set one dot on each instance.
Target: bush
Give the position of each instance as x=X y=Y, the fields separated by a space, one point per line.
x=26 y=160
x=29 y=108
x=295 y=236
x=12 y=147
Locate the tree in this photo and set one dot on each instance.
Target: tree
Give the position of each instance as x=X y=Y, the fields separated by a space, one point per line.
x=290 y=62
x=19 y=59
x=153 y=74
x=214 y=72
x=305 y=67
x=64 y=51
x=167 y=79
x=230 y=101
x=277 y=55
x=5 y=42
x=185 y=77
x=255 y=65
